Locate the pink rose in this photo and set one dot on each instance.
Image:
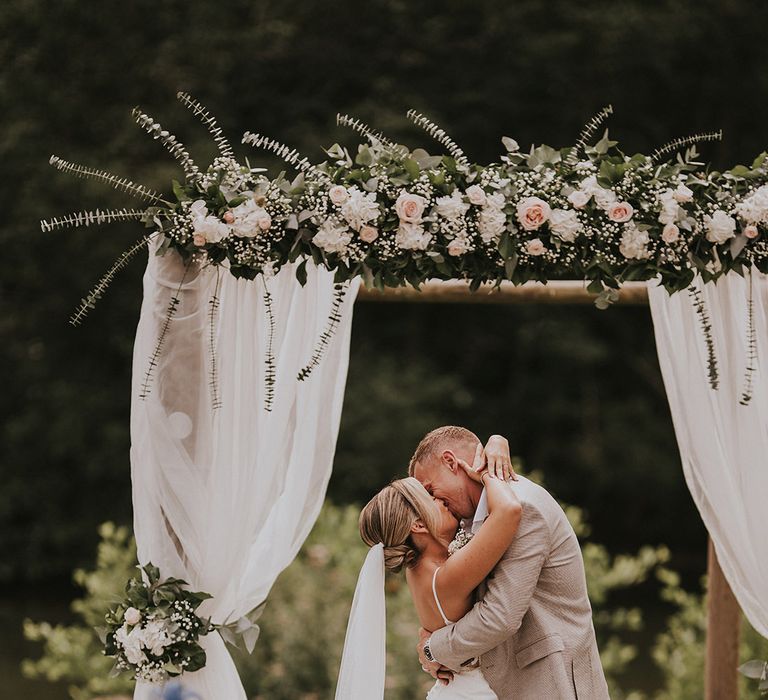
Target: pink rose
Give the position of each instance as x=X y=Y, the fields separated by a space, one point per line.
x=368 y=234
x=536 y=247
x=532 y=212
x=264 y=222
x=579 y=198
x=457 y=248
x=751 y=231
x=410 y=207
x=229 y=217
x=620 y=212
x=338 y=194
x=199 y=240
x=476 y=195
x=670 y=233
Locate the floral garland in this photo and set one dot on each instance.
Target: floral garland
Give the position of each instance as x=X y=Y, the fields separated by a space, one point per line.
x=395 y=216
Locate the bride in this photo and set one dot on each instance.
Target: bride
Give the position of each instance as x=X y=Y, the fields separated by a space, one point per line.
x=407 y=528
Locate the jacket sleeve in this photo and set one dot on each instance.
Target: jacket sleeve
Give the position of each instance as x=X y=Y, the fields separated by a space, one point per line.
x=499 y=614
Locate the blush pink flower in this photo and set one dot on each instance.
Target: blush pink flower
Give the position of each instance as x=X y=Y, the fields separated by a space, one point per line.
x=670 y=233
x=199 y=240
x=338 y=194
x=476 y=195
x=751 y=231
x=532 y=212
x=620 y=212
x=229 y=217
x=410 y=207
x=368 y=234
x=535 y=247
x=265 y=222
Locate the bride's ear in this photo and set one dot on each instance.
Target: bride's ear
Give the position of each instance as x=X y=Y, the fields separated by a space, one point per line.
x=419 y=527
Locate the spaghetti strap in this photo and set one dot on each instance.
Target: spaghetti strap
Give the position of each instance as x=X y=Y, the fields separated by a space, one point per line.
x=437 y=600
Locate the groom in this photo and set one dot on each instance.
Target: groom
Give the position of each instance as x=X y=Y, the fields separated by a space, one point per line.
x=532 y=625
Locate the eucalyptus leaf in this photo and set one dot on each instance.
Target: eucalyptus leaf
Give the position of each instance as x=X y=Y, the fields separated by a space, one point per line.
x=753 y=669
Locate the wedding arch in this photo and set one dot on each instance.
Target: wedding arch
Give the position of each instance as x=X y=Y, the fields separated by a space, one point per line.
x=242 y=345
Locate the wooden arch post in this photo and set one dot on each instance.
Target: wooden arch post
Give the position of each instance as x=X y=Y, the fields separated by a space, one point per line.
x=723 y=613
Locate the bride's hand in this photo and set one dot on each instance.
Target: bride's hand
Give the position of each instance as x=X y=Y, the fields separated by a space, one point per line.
x=477 y=469
x=497 y=458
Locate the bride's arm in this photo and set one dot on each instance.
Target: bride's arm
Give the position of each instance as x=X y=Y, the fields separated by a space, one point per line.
x=468 y=567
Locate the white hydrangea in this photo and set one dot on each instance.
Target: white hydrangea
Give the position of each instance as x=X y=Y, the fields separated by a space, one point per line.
x=565 y=224
x=247 y=218
x=720 y=226
x=155 y=637
x=670 y=208
x=754 y=209
x=359 y=208
x=333 y=236
x=634 y=243
x=451 y=207
x=412 y=236
x=492 y=220
x=131 y=642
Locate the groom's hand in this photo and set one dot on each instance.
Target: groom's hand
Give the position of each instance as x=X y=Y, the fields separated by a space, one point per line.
x=433 y=668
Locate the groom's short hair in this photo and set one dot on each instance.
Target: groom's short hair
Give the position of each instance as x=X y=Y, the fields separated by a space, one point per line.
x=437 y=440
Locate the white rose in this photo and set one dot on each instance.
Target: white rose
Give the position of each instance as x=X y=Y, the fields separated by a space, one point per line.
x=720 y=226
x=333 y=237
x=412 y=236
x=565 y=224
x=670 y=233
x=410 y=207
x=579 y=198
x=683 y=194
x=132 y=616
x=634 y=243
x=491 y=224
x=476 y=195
x=532 y=212
x=359 y=208
x=604 y=198
x=338 y=194
x=453 y=207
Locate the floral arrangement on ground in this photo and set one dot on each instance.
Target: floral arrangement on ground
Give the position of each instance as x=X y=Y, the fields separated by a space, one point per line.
x=396 y=216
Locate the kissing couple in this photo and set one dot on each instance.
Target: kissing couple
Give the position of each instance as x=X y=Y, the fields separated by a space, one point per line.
x=502 y=600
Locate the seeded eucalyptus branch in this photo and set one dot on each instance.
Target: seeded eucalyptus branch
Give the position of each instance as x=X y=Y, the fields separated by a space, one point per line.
x=749 y=372
x=334 y=318
x=269 y=357
x=213 y=310
x=706 y=328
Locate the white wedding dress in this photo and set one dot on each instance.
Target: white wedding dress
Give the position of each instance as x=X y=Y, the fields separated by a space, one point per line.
x=469 y=684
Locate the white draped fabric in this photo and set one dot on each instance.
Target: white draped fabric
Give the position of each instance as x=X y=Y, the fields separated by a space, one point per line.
x=224 y=497
x=723 y=445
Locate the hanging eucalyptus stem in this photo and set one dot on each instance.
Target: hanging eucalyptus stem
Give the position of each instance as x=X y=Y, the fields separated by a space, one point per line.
x=706 y=328
x=213 y=310
x=334 y=318
x=749 y=372
x=269 y=357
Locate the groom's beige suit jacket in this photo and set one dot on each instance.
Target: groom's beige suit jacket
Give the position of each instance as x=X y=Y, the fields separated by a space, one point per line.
x=532 y=625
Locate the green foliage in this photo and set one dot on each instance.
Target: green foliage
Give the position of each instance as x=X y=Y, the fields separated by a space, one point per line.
x=680 y=650
x=73 y=653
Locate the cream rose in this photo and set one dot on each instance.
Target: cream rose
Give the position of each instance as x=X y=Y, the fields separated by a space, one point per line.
x=535 y=247
x=620 y=212
x=264 y=222
x=751 y=231
x=132 y=616
x=683 y=194
x=532 y=212
x=670 y=233
x=410 y=207
x=476 y=195
x=368 y=234
x=579 y=198
x=458 y=246
x=338 y=194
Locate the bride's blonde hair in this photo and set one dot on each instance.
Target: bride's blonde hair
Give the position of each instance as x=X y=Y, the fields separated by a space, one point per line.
x=389 y=515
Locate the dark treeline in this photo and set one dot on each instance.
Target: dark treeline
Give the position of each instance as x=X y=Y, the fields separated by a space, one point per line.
x=577 y=391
